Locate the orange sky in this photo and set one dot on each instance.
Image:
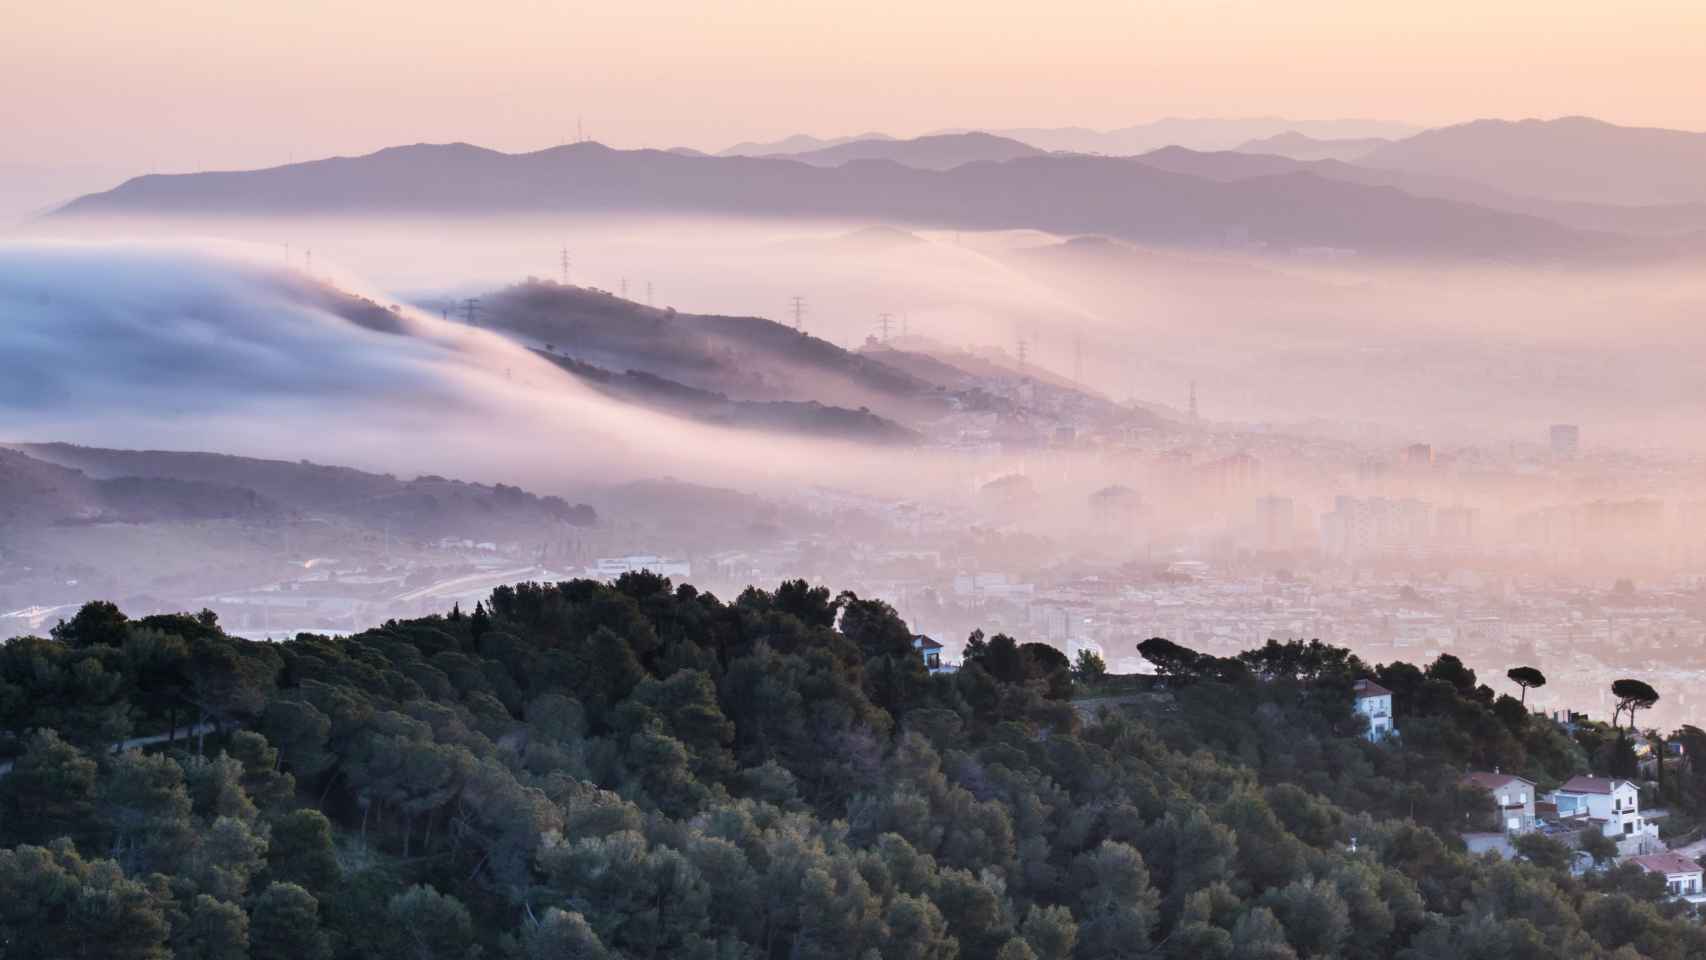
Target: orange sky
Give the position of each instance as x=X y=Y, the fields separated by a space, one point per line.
x=178 y=84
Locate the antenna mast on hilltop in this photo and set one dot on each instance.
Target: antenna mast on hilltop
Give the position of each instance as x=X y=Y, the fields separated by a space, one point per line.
x=565 y=264
x=648 y=293
x=1022 y=351
x=580 y=133
x=799 y=306
x=471 y=311
x=884 y=320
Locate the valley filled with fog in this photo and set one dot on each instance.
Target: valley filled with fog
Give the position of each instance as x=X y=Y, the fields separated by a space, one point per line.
x=1282 y=426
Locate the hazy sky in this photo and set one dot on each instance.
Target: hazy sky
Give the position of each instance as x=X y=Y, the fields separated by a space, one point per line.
x=140 y=85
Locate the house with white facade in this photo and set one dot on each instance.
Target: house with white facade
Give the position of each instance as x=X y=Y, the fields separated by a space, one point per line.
x=1375 y=702
x=1512 y=796
x=1682 y=875
x=1611 y=804
x=931 y=652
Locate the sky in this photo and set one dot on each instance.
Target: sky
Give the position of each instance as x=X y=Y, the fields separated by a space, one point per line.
x=173 y=85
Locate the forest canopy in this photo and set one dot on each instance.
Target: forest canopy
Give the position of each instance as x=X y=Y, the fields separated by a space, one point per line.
x=642 y=770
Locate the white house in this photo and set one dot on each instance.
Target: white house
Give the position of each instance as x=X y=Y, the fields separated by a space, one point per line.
x=931 y=651
x=1682 y=875
x=1612 y=805
x=1512 y=795
x=1375 y=702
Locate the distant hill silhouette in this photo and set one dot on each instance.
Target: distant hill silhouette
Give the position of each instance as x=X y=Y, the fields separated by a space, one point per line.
x=1196 y=133
x=1302 y=147
x=798 y=143
x=1227 y=165
x=1061 y=194
x=1573 y=159
x=940 y=152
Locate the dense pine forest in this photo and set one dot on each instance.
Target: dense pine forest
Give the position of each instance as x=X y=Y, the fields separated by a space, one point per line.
x=642 y=770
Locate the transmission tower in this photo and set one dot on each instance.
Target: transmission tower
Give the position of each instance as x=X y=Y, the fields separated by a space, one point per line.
x=1022 y=351
x=799 y=305
x=565 y=264
x=471 y=311
x=884 y=321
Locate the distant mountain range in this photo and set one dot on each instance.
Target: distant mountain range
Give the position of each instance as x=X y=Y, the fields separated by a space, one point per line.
x=1197 y=133
x=1302 y=147
x=1650 y=220
x=1061 y=194
x=798 y=143
x=1574 y=159
x=939 y=152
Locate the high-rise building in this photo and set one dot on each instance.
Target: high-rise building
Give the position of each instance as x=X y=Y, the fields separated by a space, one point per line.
x=1566 y=439
x=1276 y=523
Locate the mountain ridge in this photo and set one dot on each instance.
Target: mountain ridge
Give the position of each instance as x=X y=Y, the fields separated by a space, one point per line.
x=1295 y=210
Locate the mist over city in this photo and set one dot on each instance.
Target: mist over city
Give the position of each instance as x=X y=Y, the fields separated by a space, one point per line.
x=540 y=507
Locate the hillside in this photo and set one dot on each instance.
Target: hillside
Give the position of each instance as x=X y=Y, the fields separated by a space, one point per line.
x=37 y=492
x=1060 y=194
x=808 y=418
x=168 y=486
x=642 y=770
x=739 y=358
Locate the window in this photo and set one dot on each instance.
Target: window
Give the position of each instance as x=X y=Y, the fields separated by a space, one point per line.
x=1628 y=828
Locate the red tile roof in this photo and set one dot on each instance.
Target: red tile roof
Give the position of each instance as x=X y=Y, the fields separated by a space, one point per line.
x=1590 y=784
x=1492 y=781
x=1666 y=863
x=1368 y=688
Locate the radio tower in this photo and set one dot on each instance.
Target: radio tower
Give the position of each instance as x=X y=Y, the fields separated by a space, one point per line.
x=565 y=263
x=799 y=305
x=884 y=320
x=471 y=311
x=1022 y=351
